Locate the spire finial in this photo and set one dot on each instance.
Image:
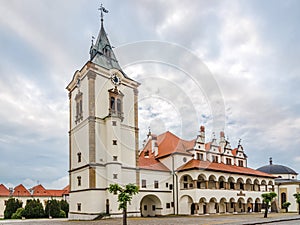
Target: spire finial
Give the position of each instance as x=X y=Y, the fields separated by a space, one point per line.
x=102 y=10
x=271 y=161
x=240 y=140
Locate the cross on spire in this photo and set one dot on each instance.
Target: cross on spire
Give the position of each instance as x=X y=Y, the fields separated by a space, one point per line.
x=102 y=10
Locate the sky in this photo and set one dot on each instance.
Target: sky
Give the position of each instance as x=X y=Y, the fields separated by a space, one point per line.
x=227 y=65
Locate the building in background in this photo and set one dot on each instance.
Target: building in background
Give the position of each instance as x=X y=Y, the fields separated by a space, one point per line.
x=286 y=184
x=37 y=192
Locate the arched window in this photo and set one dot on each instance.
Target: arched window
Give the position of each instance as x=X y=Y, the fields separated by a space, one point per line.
x=112 y=103
x=119 y=105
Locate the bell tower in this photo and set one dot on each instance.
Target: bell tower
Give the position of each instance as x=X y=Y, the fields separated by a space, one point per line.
x=103 y=135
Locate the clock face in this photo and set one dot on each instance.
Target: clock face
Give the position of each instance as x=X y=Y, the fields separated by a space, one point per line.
x=115 y=79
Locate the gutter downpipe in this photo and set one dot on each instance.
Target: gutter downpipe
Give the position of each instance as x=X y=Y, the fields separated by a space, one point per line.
x=173 y=174
x=176 y=194
x=175 y=197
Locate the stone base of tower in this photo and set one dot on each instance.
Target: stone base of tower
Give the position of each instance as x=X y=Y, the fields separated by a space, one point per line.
x=93 y=203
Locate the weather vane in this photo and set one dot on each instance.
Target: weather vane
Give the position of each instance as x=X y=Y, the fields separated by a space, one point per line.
x=102 y=10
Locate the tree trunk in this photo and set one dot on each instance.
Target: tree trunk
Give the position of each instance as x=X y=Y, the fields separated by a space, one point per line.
x=299 y=207
x=286 y=209
x=266 y=212
x=124 y=217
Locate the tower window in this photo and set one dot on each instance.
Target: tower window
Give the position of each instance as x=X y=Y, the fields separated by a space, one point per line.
x=79 y=111
x=155 y=184
x=114 y=142
x=79 y=157
x=112 y=104
x=115 y=176
x=79 y=180
x=114 y=123
x=115 y=158
x=78 y=206
x=119 y=105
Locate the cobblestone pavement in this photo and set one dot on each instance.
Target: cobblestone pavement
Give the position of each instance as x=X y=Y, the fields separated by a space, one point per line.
x=282 y=219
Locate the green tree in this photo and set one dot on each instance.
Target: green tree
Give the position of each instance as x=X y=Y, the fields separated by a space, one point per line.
x=18 y=214
x=297 y=197
x=124 y=196
x=52 y=208
x=286 y=206
x=12 y=205
x=64 y=205
x=267 y=199
x=34 y=209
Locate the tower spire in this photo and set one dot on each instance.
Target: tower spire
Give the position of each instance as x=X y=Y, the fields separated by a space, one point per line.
x=101 y=51
x=102 y=10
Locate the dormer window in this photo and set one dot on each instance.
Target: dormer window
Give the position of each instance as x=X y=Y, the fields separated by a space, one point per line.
x=146 y=154
x=106 y=51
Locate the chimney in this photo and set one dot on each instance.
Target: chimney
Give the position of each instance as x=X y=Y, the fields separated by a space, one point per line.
x=202 y=134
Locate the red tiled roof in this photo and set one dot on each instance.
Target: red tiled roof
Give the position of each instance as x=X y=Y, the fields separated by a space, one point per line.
x=21 y=191
x=56 y=193
x=67 y=189
x=39 y=190
x=169 y=143
x=205 y=165
x=234 y=151
x=149 y=162
x=3 y=190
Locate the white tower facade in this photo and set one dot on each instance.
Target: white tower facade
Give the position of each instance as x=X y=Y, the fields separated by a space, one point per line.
x=103 y=136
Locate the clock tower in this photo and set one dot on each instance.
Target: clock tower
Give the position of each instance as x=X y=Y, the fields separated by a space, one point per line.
x=103 y=135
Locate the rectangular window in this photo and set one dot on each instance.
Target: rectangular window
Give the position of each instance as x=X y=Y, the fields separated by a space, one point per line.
x=241 y=163
x=167 y=185
x=144 y=185
x=115 y=158
x=153 y=207
x=232 y=205
x=79 y=207
x=171 y=186
x=185 y=178
x=172 y=204
x=215 y=158
x=145 y=207
x=79 y=113
x=200 y=156
x=168 y=205
x=114 y=123
x=79 y=180
x=115 y=176
x=114 y=142
x=185 y=185
x=79 y=157
x=228 y=161
x=155 y=184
